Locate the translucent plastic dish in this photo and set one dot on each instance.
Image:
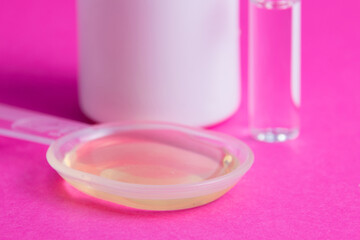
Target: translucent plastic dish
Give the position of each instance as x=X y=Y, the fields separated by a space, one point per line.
x=152 y=166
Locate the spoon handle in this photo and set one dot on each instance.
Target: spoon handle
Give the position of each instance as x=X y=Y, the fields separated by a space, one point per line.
x=33 y=126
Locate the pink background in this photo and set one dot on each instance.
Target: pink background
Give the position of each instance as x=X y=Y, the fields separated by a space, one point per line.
x=304 y=189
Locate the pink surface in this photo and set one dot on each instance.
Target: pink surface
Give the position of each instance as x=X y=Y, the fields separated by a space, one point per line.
x=305 y=189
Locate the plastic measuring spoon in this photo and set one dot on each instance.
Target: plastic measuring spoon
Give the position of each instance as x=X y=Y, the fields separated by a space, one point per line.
x=153 y=166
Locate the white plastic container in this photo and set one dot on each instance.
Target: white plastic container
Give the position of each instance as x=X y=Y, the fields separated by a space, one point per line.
x=159 y=60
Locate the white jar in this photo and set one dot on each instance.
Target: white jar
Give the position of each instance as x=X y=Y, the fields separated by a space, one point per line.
x=159 y=60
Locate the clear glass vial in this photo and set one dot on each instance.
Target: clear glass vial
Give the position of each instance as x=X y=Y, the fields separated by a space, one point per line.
x=274 y=69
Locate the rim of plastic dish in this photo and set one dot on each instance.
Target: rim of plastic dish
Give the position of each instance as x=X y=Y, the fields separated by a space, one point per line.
x=141 y=191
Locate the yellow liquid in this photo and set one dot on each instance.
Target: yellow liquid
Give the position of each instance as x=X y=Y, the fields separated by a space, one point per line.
x=151 y=158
